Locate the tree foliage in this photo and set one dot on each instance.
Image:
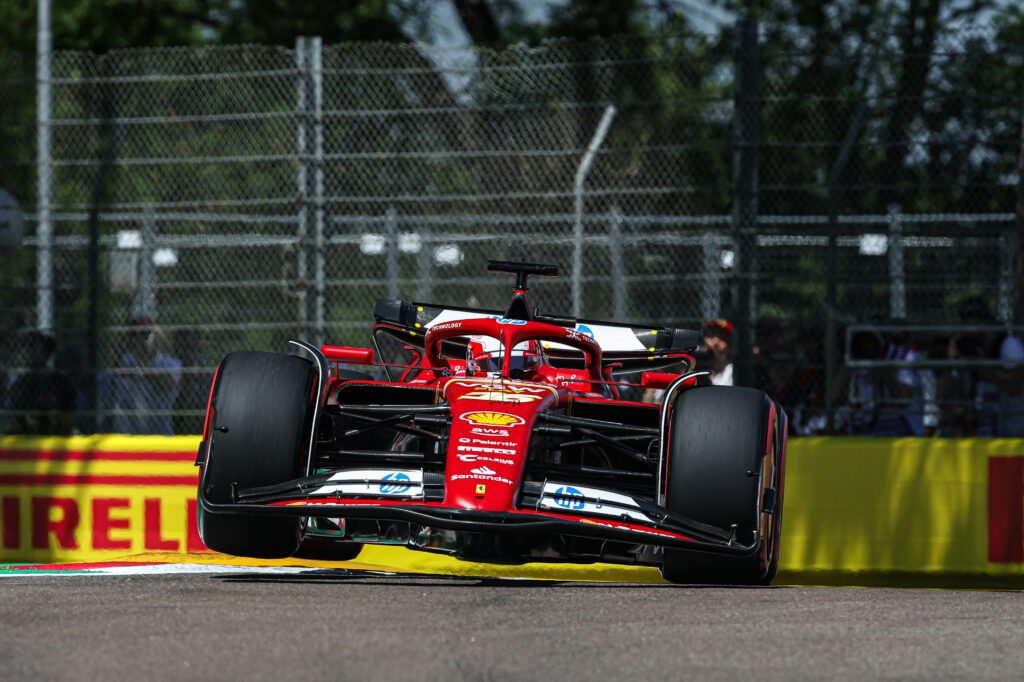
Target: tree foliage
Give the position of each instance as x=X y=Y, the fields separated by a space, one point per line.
x=103 y=25
x=932 y=117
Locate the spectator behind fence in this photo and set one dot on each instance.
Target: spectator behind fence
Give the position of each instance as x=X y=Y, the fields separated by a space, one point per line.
x=804 y=397
x=881 y=401
x=775 y=362
x=189 y=348
x=9 y=325
x=145 y=388
x=932 y=417
x=980 y=400
x=718 y=340
x=73 y=362
x=44 y=397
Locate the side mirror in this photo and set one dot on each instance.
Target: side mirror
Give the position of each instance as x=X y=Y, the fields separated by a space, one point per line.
x=659 y=380
x=354 y=356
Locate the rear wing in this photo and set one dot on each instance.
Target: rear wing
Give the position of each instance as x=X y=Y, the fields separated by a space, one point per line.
x=634 y=348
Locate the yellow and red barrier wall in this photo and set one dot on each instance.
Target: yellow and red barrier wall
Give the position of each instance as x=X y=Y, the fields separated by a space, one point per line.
x=853 y=506
x=97 y=497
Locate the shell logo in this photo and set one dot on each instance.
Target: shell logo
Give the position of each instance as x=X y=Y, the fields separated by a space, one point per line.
x=492 y=418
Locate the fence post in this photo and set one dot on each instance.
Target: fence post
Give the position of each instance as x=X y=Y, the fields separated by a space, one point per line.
x=711 y=301
x=831 y=310
x=144 y=304
x=391 y=244
x=746 y=132
x=897 y=276
x=1018 y=231
x=1006 y=261
x=426 y=264
x=302 y=182
x=44 y=199
x=315 y=61
x=577 y=237
x=618 y=271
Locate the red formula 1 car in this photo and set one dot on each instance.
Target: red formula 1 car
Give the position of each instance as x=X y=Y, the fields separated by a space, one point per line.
x=502 y=438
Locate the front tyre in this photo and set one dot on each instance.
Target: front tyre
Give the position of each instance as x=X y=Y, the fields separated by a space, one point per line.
x=719 y=444
x=261 y=405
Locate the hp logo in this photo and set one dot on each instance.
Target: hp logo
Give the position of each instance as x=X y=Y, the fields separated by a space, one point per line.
x=568 y=497
x=397 y=484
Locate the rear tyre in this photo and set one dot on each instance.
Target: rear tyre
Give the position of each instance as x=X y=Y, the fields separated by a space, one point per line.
x=262 y=407
x=716 y=450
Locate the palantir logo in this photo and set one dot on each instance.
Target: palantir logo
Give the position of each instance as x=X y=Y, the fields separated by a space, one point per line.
x=398 y=484
x=568 y=497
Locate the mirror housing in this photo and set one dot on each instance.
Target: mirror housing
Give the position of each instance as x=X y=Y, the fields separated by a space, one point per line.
x=353 y=356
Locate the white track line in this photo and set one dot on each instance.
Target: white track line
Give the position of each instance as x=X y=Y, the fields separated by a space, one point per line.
x=179 y=569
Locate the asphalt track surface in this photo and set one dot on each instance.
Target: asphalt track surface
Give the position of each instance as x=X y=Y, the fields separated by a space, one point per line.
x=357 y=625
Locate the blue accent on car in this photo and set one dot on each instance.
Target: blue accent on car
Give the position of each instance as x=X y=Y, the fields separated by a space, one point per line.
x=584 y=329
x=396 y=486
x=570 y=498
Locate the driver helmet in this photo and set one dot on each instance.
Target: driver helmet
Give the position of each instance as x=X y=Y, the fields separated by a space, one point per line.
x=484 y=356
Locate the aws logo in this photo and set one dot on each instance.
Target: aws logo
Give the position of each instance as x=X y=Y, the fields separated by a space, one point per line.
x=484 y=431
x=1006 y=510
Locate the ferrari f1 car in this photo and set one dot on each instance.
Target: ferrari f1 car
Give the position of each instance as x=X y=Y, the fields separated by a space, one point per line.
x=501 y=437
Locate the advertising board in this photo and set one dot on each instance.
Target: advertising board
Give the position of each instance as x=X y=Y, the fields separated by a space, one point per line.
x=857 y=510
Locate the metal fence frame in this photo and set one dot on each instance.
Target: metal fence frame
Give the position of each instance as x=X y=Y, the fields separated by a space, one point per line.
x=593 y=226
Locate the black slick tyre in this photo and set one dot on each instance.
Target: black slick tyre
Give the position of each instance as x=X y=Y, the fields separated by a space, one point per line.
x=262 y=406
x=716 y=450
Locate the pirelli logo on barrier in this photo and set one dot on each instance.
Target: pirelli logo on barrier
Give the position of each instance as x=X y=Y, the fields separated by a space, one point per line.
x=1006 y=510
x=105 y=497
x=94 y=498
